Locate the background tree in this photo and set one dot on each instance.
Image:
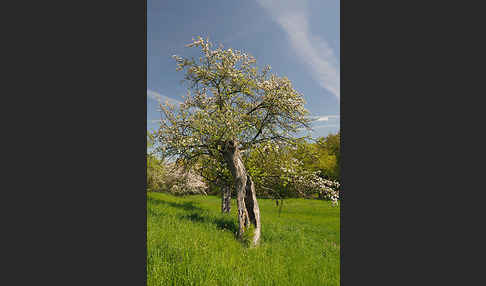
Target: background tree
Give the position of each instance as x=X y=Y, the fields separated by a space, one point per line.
x=230 y=107
x=323 y=156
x=332 y=143
x=218 y=179
x=156 y=171
x=267 y=164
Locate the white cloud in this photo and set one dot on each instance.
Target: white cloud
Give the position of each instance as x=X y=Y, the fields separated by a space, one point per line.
x=324 y=121
x=161 y=98
x=314 y=51
x=325 y=117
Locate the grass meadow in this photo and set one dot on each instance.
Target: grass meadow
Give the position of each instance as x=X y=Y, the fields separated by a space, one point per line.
x=190 y=242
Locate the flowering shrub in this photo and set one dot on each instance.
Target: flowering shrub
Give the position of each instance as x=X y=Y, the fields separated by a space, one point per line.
x=162 y=177
x=278 y=174
x=180 y=182
x=307 y=183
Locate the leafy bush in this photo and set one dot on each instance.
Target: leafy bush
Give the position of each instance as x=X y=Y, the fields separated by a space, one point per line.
x=156 y=174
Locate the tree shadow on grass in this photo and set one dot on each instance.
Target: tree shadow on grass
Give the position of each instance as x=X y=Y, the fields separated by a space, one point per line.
x=187 y=206
x=224 y=223
x=197 y=215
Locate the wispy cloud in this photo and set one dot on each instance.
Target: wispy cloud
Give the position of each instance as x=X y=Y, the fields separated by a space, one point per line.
x=325 y=117
x=161 y=98
x=314 y=51
x=324 y=121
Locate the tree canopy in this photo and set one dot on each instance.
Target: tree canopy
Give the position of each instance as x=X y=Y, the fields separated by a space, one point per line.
x=229 y=98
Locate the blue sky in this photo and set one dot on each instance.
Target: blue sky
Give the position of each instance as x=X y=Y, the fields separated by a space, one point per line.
x=299 y=39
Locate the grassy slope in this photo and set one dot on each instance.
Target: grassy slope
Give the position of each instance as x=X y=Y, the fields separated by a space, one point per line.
x=189 y=242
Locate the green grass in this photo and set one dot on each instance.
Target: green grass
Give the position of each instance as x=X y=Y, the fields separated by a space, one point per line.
x=189 y=242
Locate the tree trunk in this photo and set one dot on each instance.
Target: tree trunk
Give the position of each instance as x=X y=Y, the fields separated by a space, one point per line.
x=248 y=211
x=225 y=199
x=253 y=209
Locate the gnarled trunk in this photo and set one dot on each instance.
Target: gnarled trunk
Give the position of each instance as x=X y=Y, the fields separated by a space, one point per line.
x=226 y=199
x=253 y=209
x=248 y=211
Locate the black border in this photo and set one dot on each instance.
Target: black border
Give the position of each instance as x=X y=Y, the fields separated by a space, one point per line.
x=77 y=203
x=409 y=93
